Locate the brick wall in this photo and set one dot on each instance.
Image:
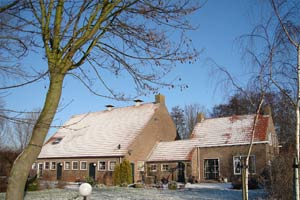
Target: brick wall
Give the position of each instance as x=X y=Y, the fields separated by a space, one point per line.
x=72 y=175
x=171 y=174
x=159 y=128
x=225 y=157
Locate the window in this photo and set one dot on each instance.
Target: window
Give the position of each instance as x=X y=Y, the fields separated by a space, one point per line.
x=57 y=140
x=112 y=165
x=74 y=165
x=34 y=166
x=83 y=165
x=164 y=167
x=102 y=166
x=237 y=164
x=67 y=165
x=153 y=168
x=47 y=165
x=141 y=166
x=211 y=169
x=53 y=165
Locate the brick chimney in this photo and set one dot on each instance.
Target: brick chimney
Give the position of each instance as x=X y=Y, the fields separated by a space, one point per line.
x=200 y=117
x=159 y=98
x=267 y=110
x=109 y=107
x=138 y=102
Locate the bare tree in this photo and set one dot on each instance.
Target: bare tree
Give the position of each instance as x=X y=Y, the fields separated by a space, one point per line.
x=89 y=40
x=177 y=115
x=275 y=46
x=191 y=112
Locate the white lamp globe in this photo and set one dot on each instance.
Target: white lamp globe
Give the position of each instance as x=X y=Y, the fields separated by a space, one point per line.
x=85 y=189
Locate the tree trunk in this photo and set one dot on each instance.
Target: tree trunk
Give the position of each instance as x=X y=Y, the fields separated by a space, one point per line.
x=245 y=175
x=296 y=170
x=23 y=163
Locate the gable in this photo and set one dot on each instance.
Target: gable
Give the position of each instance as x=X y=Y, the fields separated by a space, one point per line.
x=105 y=133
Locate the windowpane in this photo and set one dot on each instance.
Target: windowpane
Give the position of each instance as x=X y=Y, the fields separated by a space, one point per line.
x=211 y=169
x=165 y=167
x=67 y=165
x=153 y=168
x=74 y=165
x=237 y=164
x=83 y=165
x=102 y=166
x=141 y=166
x=53 y=165
x=47 y=165
x=112 y=165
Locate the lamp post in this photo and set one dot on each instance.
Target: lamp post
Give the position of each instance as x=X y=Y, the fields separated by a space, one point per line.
x=85 y=190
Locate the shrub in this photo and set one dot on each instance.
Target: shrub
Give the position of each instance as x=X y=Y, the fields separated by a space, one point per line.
x=34 y=186
x=91 y=181
x=281 y=183
x=172 y=185
x=122 y=174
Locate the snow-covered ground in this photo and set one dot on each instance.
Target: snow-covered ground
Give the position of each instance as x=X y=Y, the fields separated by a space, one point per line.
x=203 y=191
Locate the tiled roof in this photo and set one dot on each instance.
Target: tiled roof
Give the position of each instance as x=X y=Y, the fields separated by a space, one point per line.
x=230 y=130
x=179 y=150
x=105 y=133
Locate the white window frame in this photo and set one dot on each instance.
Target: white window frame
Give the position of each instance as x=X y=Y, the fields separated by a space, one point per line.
x=100 y=165
x=65 y=165
x=51 y=166
x=141 y=166
x=236 y=160
x=81 y=165
x=73 y=165
x=152 y=166
x=163 y=169
x=109 y=165
x=45 y=165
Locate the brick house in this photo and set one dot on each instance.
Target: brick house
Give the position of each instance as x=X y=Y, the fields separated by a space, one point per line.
x=216 y=149
x=90 y=145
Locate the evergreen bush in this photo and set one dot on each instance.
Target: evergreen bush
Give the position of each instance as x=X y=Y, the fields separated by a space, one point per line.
x=123 y=174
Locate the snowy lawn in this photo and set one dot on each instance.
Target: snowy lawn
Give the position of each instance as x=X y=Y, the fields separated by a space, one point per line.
x=195 y=191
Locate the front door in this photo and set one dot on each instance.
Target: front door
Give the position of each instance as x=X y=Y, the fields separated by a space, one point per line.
x=181 y=169
x=92 y=171
x=132 y=171
x=40 y=170
x=211 y=169
x=58 y=171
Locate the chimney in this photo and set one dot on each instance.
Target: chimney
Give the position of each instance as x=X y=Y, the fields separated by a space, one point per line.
x=267 y=110
x=159 y=98
x=138 y=102
x=200 y=117
x=109 y=107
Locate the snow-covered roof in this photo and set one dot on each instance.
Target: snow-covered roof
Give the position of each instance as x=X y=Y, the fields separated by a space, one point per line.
x=179 y=150
x=232 y=130
x=105 y=133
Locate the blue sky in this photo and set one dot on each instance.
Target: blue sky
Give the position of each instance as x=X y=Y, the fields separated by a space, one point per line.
x=220 y=24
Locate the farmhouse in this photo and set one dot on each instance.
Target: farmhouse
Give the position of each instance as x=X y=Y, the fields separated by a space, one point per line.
x=90 y=145
x=216 y=149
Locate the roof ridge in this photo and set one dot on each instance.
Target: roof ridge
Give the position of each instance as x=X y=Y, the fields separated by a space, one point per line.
x=115 y=108
x=231 y=116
